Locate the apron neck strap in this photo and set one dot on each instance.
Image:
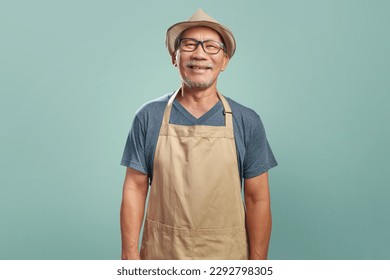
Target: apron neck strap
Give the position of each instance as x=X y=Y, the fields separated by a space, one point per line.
x=226 y=109
x=167 y=112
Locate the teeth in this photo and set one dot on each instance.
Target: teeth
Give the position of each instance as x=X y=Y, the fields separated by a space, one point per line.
x=200 y=68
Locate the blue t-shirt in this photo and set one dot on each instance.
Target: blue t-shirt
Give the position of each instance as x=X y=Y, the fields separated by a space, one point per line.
x=253 y=151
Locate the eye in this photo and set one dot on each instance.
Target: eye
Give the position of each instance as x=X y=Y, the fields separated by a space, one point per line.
x=189 y=44
x=211 y=47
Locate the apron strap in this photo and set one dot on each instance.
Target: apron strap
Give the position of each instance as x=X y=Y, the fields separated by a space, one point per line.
x=226 y=110
x=167 y=112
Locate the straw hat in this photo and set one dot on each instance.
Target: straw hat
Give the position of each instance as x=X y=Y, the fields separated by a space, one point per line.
x=200 y=18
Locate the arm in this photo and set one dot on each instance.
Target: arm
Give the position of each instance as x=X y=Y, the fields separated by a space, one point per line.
x=258 y=216
x=135 y=189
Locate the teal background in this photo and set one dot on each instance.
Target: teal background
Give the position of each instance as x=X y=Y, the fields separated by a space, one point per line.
x=73 y=73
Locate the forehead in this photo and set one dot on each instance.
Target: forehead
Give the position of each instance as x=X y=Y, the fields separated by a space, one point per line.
x=202 y=33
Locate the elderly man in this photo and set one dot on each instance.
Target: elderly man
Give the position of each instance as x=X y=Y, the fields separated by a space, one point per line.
x=194 y=146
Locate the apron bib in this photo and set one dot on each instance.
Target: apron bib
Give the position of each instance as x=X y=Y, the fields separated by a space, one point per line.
x=195 y=208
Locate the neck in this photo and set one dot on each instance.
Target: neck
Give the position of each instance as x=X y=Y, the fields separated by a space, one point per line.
x=198 y=96
x=198 y=101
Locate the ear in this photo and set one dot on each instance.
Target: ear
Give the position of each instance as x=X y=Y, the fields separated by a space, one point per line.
x=174 y=59
x=225 y=62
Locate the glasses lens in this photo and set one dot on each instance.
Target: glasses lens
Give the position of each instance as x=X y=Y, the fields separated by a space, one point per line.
x=188 y=45
x=212 y=47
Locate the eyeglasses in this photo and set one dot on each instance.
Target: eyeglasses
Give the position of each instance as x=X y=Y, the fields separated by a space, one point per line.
x=209 y=46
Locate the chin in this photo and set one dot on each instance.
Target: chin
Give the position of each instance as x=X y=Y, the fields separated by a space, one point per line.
x=197 y=84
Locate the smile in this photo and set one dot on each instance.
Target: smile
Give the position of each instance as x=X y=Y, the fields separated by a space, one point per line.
x=199 y=67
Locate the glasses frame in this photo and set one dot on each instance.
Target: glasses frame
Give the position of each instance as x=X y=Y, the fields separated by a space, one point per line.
x=221 y=45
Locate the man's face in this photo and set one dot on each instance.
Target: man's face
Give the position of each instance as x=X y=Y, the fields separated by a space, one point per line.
x=199 y=69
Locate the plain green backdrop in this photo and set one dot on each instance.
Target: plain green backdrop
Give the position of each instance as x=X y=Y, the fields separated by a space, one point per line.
x=73 y=73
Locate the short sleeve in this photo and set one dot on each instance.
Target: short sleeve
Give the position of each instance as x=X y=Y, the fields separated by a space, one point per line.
x=259 y=157
x=134 y=153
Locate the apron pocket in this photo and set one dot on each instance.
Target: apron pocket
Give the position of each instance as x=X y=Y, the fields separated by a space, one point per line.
x=224 y=244
x=162 y=242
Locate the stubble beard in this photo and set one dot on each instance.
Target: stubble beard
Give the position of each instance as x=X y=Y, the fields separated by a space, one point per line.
x=196 y=85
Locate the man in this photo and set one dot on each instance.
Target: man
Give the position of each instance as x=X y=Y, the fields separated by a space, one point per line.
x=195 y=146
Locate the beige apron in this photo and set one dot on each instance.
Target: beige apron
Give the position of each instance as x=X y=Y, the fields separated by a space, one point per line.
x=195 y=208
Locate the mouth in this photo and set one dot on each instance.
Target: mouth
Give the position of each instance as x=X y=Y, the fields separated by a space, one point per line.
x=195 y=67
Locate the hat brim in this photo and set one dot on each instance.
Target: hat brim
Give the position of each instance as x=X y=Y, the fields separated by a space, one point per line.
x=175 y=30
